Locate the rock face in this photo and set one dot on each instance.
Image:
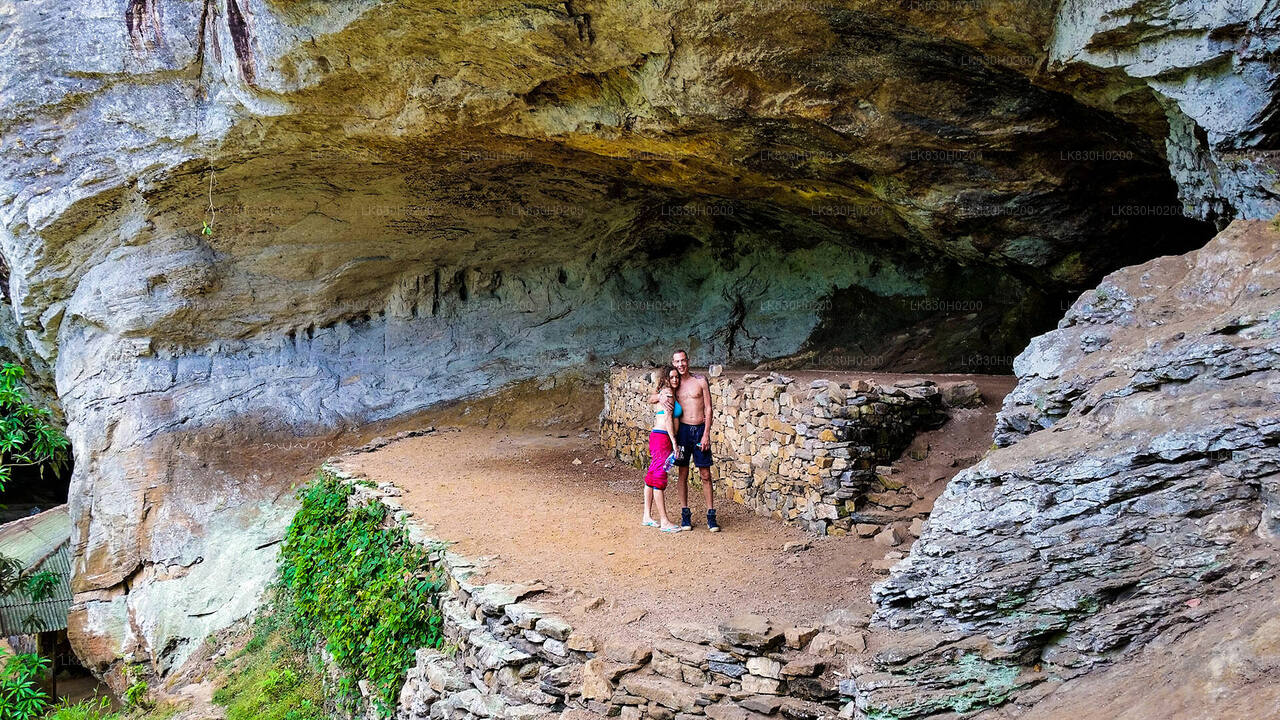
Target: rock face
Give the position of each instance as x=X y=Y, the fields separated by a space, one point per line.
x=1211 y=65
x=1139 y=475
x=410 y=203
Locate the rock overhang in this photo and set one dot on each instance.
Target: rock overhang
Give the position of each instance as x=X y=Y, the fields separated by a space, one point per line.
x=459 y=197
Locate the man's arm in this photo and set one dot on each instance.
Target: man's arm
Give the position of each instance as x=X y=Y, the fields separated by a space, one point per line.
x=706 y=414
x=665 y=401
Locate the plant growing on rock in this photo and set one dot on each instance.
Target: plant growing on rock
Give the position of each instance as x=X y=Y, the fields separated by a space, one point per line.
x=369 y=593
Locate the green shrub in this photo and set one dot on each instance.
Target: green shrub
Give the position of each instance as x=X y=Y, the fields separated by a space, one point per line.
x=20 y=695
x=40 y=585
x=26 y=437
x=369 y=593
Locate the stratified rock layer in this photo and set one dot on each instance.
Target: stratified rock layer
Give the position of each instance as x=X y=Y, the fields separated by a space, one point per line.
x=1140 y=471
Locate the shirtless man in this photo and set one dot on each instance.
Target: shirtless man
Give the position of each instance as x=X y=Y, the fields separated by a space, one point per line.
x=693 y=436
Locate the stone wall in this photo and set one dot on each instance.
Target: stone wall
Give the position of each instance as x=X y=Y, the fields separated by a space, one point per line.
x=804 y=452
x=507 y=657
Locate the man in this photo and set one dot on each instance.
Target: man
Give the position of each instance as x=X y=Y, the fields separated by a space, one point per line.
x=693 y=437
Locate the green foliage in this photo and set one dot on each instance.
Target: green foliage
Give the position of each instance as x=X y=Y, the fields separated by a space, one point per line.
x=99 y=709
x=136 y=695
x=40 y=585
x=10 y=574
x=20 y=695
x=369 y=593
x=26 y=437
x=274 y=677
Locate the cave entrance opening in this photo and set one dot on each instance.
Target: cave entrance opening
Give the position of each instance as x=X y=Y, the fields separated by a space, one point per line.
x=34 y=489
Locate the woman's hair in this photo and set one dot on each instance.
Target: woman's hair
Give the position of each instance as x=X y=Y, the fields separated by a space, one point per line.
x=664 y=377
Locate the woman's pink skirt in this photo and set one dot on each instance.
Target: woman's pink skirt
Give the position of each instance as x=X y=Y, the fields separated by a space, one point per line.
x=659 y=449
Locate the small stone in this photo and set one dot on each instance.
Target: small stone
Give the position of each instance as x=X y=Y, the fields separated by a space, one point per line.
x=804 y=666
x=751 y=631
x=829 y=644
x=916 y=528
x=627 y=652
x=715 y=370
x=694 y=633
x=764 y=667
x=580 y=642
x=657 y=712
x=798 y=637
x=866 y=530
x=761 y=685
x=577 y=461
x=797 y=546
x=630 y=712
x=590 y=604
x=553 y=627
x=662 y=691
x=889 y=537
x=596 y=684
x=555 y=647
x=764 y=704
x=731 y=669
x=960 y=394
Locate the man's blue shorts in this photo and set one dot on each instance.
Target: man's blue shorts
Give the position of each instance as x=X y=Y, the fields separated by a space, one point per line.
x=687 y=438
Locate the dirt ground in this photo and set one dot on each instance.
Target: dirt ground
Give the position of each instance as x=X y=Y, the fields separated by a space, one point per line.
x=551 y=505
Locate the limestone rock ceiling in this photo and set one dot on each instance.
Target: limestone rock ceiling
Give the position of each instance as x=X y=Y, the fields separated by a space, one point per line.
x=357 y=148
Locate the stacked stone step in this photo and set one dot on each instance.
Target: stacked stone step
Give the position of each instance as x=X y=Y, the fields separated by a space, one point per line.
x=806 y=453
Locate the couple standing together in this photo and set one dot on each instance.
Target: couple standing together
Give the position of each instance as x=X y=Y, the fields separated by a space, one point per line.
x=681 y=432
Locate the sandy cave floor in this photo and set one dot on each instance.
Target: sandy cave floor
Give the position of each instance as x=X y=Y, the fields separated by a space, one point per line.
x=513 y=500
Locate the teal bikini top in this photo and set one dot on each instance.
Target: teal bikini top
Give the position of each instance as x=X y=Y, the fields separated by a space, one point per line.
x=676 y=411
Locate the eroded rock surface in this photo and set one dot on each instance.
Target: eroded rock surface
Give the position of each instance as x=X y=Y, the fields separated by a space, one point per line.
x=1211 y=64
x=1139 y=475
x=413 y=202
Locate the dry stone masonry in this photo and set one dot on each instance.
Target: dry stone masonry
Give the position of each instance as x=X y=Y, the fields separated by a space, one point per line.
x=507 y=657
x=804 y=452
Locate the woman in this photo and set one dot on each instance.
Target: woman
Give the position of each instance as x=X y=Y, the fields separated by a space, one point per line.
x=662 y=444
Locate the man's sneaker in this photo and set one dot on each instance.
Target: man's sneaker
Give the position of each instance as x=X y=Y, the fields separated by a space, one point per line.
x=686 y=519
x=712 y=525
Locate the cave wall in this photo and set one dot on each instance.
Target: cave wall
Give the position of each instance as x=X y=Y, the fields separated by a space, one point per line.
x=1136 y=478
x=1212 y=66
x=412 y=202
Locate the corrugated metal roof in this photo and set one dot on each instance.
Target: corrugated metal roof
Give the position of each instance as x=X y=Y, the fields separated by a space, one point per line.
x=41 y=543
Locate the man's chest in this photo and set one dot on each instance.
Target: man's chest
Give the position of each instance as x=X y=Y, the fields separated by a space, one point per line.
x=690 y=394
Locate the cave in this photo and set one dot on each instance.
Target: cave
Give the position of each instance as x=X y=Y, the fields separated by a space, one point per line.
x=237 y=236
